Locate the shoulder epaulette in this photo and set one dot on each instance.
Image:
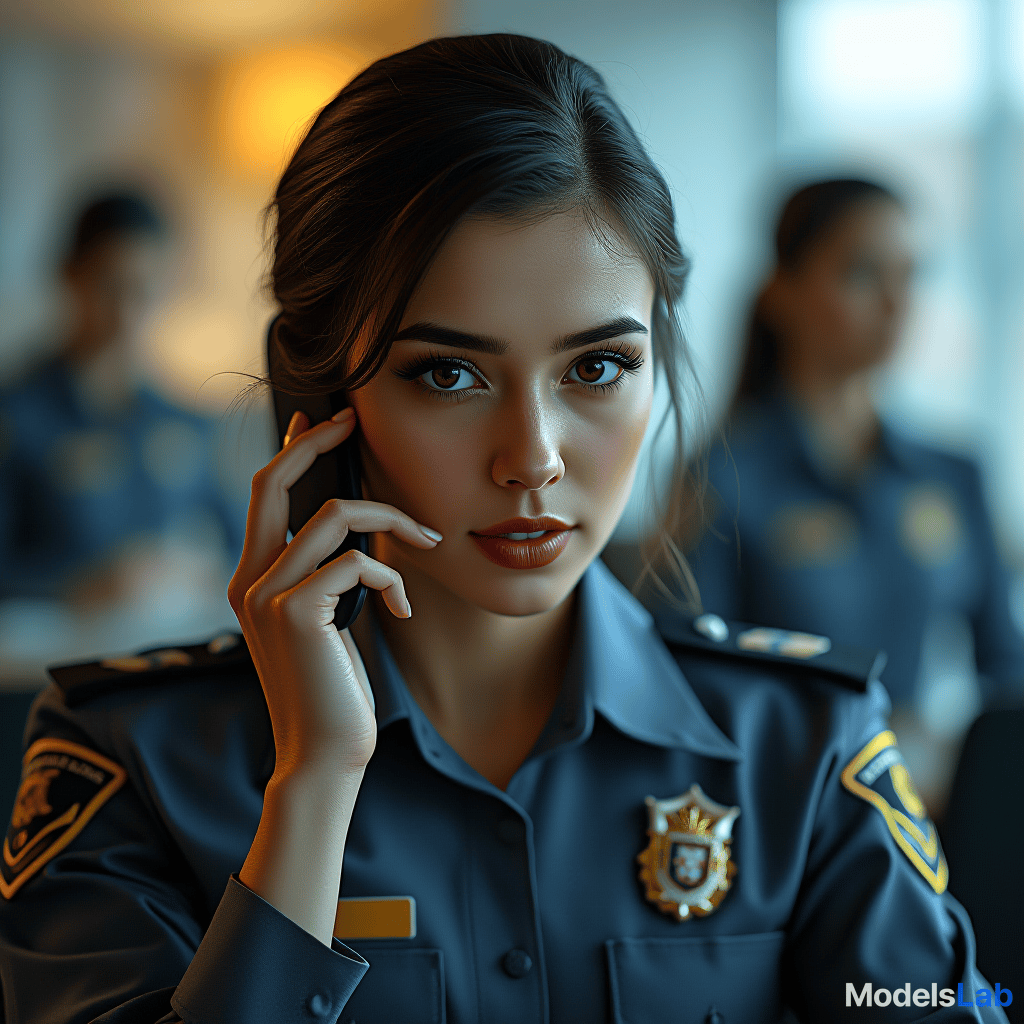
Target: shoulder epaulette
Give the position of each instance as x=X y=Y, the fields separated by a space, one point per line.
x=851 y=667
x=90 y=679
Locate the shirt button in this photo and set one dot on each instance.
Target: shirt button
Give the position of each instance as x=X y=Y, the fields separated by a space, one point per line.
x=319 y=1005
x=509 y=831
x=517 y=963
x=715 y=629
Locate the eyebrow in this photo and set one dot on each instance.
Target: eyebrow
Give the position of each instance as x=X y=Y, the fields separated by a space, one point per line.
x=438 y=335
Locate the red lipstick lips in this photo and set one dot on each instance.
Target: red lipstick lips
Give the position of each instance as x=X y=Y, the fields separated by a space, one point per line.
x=523 y=543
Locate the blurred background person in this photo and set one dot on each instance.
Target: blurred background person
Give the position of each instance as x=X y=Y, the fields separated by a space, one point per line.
x=825 y=517
x=97 y=471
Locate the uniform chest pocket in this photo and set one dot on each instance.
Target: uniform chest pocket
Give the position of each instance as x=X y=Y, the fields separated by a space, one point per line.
x=684 y=981
x=404 y=985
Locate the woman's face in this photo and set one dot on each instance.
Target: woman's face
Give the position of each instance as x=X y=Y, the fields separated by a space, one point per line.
x=842 y=308
x=519 y=388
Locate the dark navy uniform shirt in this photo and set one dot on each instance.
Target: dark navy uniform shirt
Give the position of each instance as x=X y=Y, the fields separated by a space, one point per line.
x=76 y=483
x=782 y=856
x=867 y=561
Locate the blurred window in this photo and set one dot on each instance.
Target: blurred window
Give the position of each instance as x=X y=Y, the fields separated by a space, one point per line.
x=880 y=62
x=929 y=94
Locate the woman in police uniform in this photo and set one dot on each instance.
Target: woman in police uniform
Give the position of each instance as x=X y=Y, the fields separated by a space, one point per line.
x=533 y=806
x=828 y=518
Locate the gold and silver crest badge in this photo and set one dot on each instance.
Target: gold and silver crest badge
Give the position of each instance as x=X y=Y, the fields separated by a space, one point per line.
x=687 y=867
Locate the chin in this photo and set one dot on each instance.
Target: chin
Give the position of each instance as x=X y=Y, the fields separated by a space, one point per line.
x=519 y=601
x=517 y=592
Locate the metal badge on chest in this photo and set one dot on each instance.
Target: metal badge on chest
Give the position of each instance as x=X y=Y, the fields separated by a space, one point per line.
x=687 y=867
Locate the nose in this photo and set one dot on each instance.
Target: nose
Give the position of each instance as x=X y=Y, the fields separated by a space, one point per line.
x=528 y=454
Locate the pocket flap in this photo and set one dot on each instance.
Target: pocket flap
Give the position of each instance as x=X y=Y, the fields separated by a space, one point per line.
x=404 y=985
x=684 y=979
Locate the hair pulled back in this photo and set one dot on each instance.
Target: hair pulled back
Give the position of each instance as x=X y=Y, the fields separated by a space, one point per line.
x=487 y=125
x=807 y=217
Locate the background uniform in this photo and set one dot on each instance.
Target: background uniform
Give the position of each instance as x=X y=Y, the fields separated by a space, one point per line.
x=76 y=484
x=868 y=561
x=782 y=854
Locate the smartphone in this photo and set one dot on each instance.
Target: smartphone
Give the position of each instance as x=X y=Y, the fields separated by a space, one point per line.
x=335 y=474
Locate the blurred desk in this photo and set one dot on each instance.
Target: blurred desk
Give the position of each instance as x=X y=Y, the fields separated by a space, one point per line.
x=167 y=591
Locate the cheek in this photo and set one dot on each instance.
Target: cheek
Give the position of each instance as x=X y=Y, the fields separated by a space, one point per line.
x=606 y=451
x=410 y=464
x=844 y=313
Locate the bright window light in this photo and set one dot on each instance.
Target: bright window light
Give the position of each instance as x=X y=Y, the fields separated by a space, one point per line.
x=1012 y=48
x=880 y=62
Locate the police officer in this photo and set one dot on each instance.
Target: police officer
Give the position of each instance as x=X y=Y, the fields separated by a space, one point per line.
x=826 y=517
x=91 y=461
x=526 y=801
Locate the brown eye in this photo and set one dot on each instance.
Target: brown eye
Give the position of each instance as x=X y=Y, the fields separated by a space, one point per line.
x=445 y=377
x=448 y=377
x=595 y=372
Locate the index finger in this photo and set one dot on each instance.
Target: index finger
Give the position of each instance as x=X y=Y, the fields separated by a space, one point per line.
x=266 y=525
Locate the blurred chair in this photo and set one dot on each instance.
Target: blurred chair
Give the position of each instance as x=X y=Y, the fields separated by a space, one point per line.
x=983 y=835
x=14 y=705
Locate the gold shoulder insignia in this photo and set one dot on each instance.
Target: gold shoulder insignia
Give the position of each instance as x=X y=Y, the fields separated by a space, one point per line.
x=818 y=656
x=63 y=785
x=878 y=775
x=82 y=682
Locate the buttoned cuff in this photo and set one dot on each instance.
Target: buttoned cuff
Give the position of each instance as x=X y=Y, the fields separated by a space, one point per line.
x=254 y=964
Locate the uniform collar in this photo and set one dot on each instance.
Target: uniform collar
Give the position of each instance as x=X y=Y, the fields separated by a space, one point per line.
x=619 y=668
x=632 y=678
x=794 y=434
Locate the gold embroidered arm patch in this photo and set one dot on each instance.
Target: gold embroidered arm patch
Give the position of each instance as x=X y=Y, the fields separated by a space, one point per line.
x=63 y=785
x=877 y=774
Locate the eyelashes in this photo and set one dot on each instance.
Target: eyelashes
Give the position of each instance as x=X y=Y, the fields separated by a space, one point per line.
x=627 y=358
x=433 y=361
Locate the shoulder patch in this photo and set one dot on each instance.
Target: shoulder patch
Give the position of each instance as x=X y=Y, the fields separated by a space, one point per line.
x=878 y=775
x=91 y=679
x=851 y=667
x=63 y=785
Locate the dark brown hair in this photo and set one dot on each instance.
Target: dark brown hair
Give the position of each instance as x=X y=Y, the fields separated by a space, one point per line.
x=807 y=217
x=115 y=214
x=496 y=125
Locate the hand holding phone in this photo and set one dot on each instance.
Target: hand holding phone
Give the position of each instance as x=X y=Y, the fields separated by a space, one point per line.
x=290 y=595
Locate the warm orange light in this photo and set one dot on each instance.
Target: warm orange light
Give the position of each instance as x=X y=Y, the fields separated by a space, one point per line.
x=265 y=102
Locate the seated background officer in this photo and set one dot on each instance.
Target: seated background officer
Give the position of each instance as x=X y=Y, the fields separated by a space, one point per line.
x=828 y=519
x=97 y=471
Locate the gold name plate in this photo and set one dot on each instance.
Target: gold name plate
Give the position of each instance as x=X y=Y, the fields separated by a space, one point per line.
x=379 y=917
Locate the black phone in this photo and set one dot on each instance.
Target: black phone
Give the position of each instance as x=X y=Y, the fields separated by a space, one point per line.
x=335 y=474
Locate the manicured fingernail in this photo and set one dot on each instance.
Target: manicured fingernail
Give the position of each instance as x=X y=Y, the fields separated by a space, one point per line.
x=340 y=417
x=432 y=534
x=407 y=608
x=293 y=428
